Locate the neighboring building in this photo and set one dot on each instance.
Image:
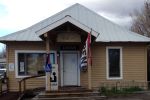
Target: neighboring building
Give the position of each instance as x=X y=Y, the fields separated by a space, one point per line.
x=2 y=63
x=117 y=53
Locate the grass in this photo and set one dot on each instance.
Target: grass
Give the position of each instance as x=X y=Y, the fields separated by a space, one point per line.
x=115 y=91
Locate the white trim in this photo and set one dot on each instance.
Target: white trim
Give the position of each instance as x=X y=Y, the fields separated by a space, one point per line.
x=28 y=51
x=107 y=63
x=61 y=66
x=62 y=21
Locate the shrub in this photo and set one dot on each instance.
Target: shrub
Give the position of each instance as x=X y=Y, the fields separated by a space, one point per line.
x=114 y=90
x=132 y=89
x=107 y=91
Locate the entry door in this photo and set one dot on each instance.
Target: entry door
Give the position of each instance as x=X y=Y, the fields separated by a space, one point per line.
x=70 y=68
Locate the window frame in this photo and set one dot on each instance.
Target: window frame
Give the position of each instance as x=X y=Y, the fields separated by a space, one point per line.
x=28 y=51
x=107 y=63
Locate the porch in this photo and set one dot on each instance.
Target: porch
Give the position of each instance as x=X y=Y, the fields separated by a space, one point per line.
x=64 y=44
x=67 y=40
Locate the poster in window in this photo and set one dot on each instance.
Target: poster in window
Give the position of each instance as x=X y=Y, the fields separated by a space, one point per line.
x=22 y=67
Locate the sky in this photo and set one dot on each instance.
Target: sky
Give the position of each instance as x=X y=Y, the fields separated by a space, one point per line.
x=19 y=14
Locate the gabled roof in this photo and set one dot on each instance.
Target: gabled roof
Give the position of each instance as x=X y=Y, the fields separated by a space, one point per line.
x=107 y=30
x=23 y=35
x=70 y=19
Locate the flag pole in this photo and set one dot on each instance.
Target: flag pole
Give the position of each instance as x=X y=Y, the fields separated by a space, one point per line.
x=90 y=47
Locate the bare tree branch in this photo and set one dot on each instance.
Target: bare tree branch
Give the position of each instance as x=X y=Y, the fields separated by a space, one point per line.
x=3 y=52
x=141 y=20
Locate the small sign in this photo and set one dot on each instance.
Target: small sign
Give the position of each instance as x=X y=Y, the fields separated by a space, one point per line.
x=11 y=66
x=68 y=37
x=68 y=47
x=54 y=77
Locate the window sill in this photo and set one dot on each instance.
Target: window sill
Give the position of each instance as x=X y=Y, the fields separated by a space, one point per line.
x=115 y=78
x=18 y=77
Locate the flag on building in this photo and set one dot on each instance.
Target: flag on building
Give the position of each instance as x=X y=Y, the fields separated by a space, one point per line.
x=84 y=59
x=48 y=66
x=86 y=54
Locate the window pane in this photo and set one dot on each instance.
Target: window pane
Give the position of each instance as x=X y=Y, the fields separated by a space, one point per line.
x=52 y=58
x=21 y=64
x=33 y=63
x=114 y=62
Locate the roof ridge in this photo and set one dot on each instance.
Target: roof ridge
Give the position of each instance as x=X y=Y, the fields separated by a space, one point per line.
x=109 y=31
x=112 y=22
x=98 y=15
x=54 y=15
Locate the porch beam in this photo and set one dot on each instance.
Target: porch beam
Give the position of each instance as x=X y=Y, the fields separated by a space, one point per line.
x=48 y=83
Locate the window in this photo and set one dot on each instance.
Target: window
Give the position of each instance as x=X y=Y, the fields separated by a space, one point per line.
x=32 y=62
x=114 y=62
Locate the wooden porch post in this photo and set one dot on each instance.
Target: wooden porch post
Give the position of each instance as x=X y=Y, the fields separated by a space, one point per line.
x=48 y=83
x=89 y=39
x=89 y=76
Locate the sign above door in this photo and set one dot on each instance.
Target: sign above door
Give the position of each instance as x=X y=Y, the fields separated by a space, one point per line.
x=68 y=37
x=69 y=47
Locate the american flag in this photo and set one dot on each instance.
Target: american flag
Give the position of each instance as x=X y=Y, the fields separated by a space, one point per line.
x=48 y=66
x=84 y=59
x=86 y=54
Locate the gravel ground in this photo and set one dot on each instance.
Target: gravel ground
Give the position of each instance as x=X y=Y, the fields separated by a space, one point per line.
x=9 y=96
x=139 y=96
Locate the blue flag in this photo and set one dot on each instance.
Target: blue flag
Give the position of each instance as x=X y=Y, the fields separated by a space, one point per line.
x=48 y=66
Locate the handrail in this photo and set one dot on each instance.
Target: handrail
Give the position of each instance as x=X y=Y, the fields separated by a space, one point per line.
x=2 y=84
x=24 y=82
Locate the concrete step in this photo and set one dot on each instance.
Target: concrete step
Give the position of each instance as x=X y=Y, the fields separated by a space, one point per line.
x=72 y=98
x=67 y=94
x=71 y=89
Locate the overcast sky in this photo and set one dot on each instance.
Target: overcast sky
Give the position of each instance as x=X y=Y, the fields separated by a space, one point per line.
x=19 y=14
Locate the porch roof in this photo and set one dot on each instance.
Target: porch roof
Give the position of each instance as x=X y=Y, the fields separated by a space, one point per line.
x=83 y=18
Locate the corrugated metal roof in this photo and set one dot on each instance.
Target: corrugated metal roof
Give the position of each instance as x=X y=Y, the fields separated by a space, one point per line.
x=109 y=32
x=23 y=35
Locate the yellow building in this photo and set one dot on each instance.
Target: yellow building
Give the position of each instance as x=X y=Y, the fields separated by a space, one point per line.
x=117 y=53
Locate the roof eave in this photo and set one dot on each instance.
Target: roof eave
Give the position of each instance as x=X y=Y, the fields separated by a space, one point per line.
x=4 y=41
x=125 y=41
x=62 y=21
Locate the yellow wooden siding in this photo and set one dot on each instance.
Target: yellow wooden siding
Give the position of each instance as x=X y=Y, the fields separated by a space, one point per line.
x=134 y=62
x=11 y=47
x=38 y=82
x=84 y=79
x=98 y=64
